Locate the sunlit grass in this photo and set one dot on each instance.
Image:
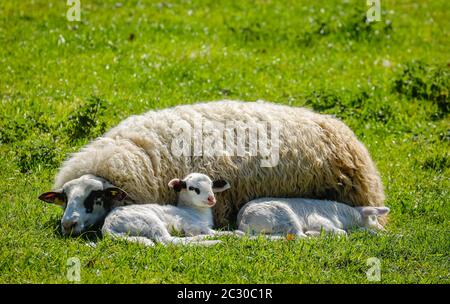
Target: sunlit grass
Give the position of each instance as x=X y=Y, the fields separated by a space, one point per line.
x=388 y=81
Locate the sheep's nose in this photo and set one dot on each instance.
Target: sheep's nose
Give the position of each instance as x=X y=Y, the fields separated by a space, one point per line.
x=69 y=225
x=211 y=199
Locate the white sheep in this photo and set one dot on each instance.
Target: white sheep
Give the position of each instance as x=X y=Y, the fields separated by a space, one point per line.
x=152 y=222
x=319 y=157
x=305 y=217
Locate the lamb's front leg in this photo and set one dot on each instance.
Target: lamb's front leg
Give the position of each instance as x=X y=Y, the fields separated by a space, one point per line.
x=138 y=239
x=328 y=229
x=210 y=231
x=126 y=237
x=319 y=223
x=198 y=240
x=312 y=233
x=191 y=228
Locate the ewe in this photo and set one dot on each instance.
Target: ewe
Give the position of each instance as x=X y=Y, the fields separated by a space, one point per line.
x=152 y=222
x=303 y=217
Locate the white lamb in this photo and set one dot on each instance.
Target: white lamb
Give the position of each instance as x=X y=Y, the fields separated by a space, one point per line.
x=152 y=222
x=305 y=217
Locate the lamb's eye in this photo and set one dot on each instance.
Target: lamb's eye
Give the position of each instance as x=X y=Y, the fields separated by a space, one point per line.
x=197 y=190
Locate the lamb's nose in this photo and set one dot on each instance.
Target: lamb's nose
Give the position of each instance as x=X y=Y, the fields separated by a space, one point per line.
x=69 y=225
x=211 y=199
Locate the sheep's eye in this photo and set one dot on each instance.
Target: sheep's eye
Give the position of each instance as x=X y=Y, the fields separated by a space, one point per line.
x=197 y=190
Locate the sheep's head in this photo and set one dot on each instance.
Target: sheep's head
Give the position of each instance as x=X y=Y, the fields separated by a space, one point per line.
x=370 y=216
x=86 y=201
x=198 y=190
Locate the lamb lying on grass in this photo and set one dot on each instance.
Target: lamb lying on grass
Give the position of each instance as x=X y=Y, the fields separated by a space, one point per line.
x=152 y=222
x=305 y=217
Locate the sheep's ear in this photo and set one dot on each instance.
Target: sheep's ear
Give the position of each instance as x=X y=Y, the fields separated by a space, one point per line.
x=57 y=197
x=382 y=210
x=368 y=211
x=115 y=193
x=220 y=185
x=177 y=184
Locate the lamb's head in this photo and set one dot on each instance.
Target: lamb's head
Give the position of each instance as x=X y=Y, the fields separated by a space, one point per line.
x=198 y=190
x=370 y=216
x=86 y=201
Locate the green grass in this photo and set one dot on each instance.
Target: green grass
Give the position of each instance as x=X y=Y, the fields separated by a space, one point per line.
x=63 y=83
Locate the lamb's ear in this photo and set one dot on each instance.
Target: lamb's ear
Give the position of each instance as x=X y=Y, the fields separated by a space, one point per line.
x=115 y=193
x=367 y=211
x=382 y=210
x=57 y=197
x=220 y=185
x=177 y=184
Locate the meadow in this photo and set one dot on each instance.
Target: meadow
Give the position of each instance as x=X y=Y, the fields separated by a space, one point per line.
x=64 y=83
